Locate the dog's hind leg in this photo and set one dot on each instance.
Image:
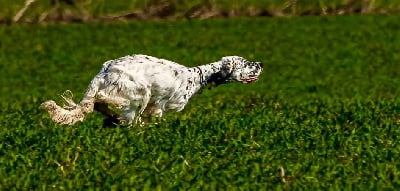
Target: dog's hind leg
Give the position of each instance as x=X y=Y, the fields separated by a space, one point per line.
x=143 y=106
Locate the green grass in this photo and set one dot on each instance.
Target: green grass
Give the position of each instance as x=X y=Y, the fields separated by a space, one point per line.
x=326 y=108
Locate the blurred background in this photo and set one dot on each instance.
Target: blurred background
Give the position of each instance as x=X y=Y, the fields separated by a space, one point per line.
x=39 y=11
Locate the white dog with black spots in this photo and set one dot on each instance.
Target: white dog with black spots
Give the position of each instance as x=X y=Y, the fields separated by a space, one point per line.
x=140 y=86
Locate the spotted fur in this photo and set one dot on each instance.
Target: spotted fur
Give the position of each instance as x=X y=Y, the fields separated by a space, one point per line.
x=136 y=86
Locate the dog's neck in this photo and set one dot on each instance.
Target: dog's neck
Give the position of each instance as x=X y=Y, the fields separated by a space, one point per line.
x=211 y=74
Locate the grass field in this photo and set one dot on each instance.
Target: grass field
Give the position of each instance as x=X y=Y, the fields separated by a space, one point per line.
x=326 y=109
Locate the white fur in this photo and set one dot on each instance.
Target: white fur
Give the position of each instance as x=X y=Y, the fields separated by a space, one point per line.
x=140 y=85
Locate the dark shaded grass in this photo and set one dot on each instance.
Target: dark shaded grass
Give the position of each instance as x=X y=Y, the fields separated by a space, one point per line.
x=326 y=108
x=106 y=10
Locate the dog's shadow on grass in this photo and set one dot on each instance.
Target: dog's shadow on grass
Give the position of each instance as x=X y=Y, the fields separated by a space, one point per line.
x=110 y=122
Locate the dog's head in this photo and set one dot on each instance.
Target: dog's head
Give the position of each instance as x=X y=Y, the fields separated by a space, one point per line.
x=236 y=68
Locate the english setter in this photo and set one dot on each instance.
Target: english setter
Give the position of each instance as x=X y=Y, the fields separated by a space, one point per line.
x=140 y=86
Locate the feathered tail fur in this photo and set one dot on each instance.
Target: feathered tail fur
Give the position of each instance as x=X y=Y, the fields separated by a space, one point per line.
x=72 y=112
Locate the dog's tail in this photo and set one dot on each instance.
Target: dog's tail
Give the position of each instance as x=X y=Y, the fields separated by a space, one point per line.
x=72 y=112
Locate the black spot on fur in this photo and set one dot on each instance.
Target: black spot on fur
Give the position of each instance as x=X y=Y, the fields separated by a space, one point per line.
x=218 y=78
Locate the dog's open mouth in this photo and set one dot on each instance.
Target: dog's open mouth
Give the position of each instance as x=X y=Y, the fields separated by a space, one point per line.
x=250 y=80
